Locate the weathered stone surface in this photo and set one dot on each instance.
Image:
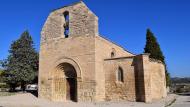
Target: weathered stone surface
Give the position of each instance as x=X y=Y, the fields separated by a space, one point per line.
x=115 y=90
x=84 y=66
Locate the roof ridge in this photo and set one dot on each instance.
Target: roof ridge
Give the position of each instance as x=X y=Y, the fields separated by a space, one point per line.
x=115 y=44
x=74 y=3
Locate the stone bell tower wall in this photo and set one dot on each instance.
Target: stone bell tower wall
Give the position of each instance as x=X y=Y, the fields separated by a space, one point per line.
x=79 y=47
x=82 y=22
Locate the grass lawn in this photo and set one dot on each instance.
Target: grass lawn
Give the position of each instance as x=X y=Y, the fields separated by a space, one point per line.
x=7 y=93
x=2 y=83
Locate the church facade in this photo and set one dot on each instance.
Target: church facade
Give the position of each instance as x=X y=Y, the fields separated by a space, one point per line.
x=77 y=64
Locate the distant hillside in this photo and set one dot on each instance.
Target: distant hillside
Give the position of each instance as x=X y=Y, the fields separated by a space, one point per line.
x=180 y=80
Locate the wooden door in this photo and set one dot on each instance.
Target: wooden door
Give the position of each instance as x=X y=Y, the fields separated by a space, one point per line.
x=59 y=89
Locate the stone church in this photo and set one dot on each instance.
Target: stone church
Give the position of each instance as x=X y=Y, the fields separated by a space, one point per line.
x=77 y=64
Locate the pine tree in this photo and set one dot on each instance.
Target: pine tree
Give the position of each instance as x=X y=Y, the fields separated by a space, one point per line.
x=21 y=65
x=153 y=47
x=1 y=75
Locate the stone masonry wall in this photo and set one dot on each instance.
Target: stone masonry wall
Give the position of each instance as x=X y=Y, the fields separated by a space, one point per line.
x=147 y=77
x=82 y=22
x=150 y=79
x=115 y=90
x=139 y=78
x=82 y=52
x=103 y=50
x=158 y=80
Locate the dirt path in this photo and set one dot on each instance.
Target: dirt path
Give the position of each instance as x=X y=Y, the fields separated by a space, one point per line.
x=182 y=101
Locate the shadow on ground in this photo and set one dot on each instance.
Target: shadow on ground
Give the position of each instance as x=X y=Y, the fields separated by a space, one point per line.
x=184 y=94
x=35 y=93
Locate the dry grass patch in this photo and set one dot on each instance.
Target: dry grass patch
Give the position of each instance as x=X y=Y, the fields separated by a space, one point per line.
x=7 y=93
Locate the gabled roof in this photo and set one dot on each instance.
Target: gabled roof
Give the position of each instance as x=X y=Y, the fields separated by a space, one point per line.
x=116 y=44
x=72 y=4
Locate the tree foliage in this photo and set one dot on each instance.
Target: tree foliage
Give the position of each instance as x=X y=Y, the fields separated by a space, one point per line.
x=1 y=75
x=21 y=66
x=153 y=47
x=1 y=72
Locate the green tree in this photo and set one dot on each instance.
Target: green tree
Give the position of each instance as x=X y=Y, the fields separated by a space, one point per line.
x=21 y=66
x=153 y=47
x=1 y=72
x=1 y=75
x=7 y=76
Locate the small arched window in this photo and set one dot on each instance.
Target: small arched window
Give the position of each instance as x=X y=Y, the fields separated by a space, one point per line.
x=113 y=53
x=66 y=25
x=120 y=77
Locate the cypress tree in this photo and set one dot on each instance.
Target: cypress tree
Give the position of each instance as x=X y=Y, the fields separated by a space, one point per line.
x=153 y=47
x=21 y=66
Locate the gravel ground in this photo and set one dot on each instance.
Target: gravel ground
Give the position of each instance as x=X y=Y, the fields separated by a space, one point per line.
x=182 y=101
x=28 y=100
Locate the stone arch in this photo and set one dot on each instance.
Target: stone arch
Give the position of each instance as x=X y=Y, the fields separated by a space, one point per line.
x=113 y=53
x=72 y=62
x=120 y=74
x=65 y=78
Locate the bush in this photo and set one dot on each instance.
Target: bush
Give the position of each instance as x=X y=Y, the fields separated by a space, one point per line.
x=1 y=79
x=4 y=85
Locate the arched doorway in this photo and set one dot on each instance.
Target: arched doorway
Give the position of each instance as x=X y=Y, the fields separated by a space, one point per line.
x=65 y=83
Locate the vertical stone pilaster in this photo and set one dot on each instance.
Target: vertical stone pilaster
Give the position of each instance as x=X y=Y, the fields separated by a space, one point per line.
x=147 y=77
x=142 y=78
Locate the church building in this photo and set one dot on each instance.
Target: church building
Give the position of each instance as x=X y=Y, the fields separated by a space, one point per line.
x=77 y=64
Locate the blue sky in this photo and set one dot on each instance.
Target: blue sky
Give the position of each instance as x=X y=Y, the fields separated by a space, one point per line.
x=122 y=21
